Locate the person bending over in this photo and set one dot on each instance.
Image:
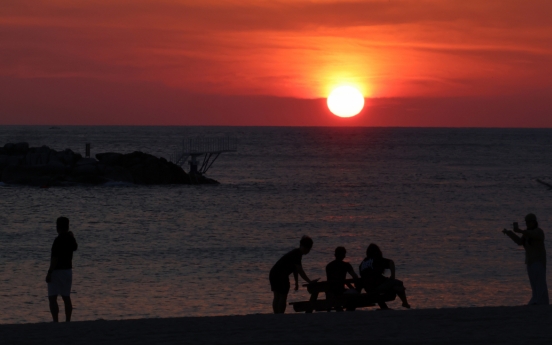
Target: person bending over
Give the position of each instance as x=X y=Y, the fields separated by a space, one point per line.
x=279 y=274
x=373 y=280
x=336 y=274
x=532 y=241
x=60 y=274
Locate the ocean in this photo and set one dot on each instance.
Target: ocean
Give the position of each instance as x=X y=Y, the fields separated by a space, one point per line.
x=434 y=199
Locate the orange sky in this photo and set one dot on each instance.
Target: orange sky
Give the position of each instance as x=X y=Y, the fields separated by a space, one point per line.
x=257 y=62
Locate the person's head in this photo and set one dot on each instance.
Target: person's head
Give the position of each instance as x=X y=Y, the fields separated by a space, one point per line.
x=305 y=244
x=62 y=225
x=340 y=253
x=531 y=221
x=373 y=251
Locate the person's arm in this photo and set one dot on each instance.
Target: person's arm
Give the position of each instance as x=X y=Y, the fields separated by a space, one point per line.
x=299 y=270
x=353 y=274
x=75 y=246
x=536 y=234
x=392 y=269
x=53 y=264
x=514 y=237
x=295 y=276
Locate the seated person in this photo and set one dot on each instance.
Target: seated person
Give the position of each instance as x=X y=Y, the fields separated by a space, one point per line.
x=336 y=272
x=373 y=280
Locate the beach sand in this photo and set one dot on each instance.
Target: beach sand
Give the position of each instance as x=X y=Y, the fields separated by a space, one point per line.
x=487 y=325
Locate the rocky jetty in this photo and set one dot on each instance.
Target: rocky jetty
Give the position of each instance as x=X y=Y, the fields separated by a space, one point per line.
x=43 y=166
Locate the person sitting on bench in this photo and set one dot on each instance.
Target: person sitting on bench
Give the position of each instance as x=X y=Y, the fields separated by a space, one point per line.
x=336 y=272
x=279 y=274
x=373 y=280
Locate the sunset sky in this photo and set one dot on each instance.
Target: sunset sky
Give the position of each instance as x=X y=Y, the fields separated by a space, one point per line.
x=254 y=62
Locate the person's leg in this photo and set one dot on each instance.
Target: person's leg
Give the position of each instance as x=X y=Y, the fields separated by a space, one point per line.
x=399 y=288
x=382 y=305
x=68 y=307
x=396 y=286
x=279 y=303
x=54 y=308
x=334 y=300
x=544 y=286
x=329 y=301
x=402 y=296
x=531 y=274
x=537 y=277
x=275 y=302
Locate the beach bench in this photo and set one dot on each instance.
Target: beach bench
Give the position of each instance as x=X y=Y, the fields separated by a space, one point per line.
x=348 y=302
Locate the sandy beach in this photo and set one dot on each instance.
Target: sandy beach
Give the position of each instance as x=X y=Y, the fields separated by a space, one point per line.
x=487 y=325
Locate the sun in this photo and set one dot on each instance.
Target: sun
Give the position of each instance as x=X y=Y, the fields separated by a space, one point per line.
x=345 y=101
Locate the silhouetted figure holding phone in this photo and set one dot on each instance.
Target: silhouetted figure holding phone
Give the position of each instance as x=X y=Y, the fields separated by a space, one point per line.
x=60 y=273
x=336 y=274
x=373 y=280
x=279 y=274
x=532 y=240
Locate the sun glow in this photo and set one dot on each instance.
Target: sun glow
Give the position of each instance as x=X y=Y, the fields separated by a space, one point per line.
x=345 y=101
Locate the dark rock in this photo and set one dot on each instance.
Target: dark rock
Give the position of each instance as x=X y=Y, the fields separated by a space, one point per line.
x=20 y=164
x=8 y=149
x=56 y=167
x=68 y=157
x=118 y=174
x=86 y=161
x=34 y=176
x=200 y=179
x=21 y=148
x=110 y=158
x=40 y=156
x=14 y=160
x=88 y=179
x=85 y=169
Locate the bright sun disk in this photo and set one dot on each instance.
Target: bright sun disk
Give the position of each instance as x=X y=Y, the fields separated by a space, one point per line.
x=345 y=101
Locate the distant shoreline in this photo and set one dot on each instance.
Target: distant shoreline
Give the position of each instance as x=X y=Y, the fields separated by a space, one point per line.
x=477 y=325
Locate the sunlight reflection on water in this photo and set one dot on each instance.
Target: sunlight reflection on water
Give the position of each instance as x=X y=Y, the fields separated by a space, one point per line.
x=435 y=200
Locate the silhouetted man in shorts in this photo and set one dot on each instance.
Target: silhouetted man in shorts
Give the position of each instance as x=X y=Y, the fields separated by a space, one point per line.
x=60 y=274
x=279 y=274
x=336 y=274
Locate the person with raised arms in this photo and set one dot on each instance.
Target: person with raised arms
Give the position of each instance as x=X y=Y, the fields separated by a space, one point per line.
x=532 y=241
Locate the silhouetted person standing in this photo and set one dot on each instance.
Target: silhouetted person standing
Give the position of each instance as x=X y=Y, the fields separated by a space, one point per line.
x=532 y=240
x=60 y=273
x=279 y=274
x=336 y=274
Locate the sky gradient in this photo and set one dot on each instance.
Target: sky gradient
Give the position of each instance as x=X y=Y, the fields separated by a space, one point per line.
x=426 y=63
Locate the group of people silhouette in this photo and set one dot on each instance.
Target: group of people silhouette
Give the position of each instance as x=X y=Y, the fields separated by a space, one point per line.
x=371 y=269
x=371 y=279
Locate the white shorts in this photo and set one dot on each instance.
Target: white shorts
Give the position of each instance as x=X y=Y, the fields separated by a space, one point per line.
x=61 y=283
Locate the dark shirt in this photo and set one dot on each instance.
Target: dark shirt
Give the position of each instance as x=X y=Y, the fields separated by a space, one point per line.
x=336 y=272
x=371 y=271
x=62 y=249
x=286 y=265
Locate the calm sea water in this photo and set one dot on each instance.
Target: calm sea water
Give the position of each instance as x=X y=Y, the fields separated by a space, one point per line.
x=435 y=201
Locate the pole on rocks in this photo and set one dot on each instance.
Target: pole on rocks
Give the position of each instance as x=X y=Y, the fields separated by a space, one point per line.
x=87 y=150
